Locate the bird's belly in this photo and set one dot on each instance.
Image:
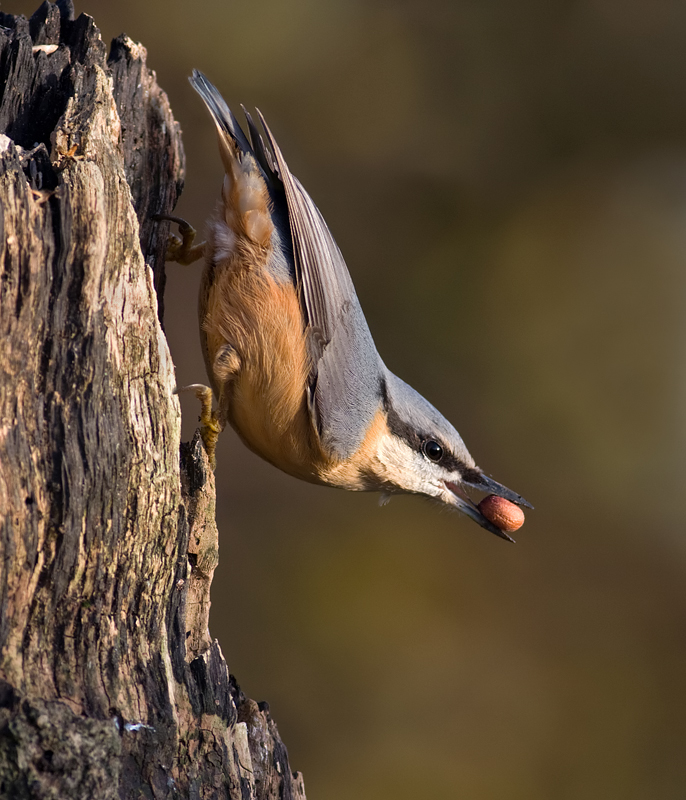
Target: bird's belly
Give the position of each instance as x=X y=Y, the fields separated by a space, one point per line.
x=278 y=431
x=265 y=400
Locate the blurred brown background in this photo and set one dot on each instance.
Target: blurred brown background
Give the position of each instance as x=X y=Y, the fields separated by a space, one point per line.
x=507 y=181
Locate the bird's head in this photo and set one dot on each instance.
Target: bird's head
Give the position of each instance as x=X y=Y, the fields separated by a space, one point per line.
x=420 y=452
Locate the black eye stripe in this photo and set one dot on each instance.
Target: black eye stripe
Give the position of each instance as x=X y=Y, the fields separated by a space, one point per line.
x=409 y=434
x=447 y=460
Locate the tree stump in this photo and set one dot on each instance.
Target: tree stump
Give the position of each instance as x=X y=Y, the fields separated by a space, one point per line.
x=110 y=684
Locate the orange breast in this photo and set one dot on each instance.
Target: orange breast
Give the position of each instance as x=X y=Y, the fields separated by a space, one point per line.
x=266 y=400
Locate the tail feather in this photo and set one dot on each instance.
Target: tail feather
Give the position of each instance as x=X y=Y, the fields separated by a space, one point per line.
x=223 y=117
x=262 y=153
x=245 y=209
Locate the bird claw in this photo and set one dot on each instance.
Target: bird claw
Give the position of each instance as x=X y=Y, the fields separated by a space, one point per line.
x=181 y=248
x=210 y=427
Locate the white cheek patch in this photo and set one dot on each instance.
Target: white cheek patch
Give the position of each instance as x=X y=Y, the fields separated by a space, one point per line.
x=408 y=469
x=224 y=240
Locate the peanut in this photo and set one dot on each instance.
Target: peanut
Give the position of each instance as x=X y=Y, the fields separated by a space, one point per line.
x=502 y=513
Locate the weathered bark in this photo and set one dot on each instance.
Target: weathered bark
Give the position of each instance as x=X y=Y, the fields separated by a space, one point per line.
x=110 y=685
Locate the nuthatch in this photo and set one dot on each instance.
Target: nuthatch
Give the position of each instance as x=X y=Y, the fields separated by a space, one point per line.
x=290 y=357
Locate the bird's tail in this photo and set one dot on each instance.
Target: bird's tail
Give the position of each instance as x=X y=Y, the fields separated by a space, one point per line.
x=228 y=125
x=245 y=193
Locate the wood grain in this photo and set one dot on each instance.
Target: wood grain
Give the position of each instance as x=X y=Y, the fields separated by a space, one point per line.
x=110 y=683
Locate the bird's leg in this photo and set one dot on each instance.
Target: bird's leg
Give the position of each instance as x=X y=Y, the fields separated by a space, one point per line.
x=210 y=427
x=181 y=248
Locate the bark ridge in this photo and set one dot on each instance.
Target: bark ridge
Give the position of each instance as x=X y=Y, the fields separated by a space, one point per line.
x=110 y=684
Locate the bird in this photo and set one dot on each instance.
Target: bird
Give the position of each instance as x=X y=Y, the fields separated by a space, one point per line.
x=290 y=357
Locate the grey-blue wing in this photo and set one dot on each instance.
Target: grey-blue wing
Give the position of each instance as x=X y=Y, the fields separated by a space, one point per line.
x=344 y=391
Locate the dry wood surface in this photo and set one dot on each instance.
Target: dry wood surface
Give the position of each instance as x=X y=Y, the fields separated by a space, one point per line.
x=110 y=683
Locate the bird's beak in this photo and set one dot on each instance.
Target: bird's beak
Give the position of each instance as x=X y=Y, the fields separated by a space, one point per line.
x=463 y=503
x=480 y=481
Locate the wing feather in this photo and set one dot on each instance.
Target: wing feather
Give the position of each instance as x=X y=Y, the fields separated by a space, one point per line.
x=345 y=378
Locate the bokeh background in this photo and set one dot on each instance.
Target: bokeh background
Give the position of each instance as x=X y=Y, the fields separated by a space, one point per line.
x=507 y=180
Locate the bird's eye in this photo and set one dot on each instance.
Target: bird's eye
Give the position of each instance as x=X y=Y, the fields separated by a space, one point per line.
x=432 y=450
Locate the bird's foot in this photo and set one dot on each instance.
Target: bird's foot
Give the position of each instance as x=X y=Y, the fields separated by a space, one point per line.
x=210 y=427
x=181 y=248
